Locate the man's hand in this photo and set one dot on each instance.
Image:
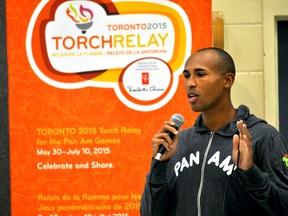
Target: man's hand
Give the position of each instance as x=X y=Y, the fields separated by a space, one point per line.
x=163 y=138
x=242 y=147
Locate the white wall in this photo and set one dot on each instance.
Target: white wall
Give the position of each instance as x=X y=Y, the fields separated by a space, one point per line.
x=250 y=33
x=243 y=39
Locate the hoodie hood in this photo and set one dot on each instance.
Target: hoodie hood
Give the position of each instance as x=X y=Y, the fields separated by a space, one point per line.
x=242 y=113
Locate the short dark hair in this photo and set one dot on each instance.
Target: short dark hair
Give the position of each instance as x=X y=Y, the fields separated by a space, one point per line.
x=227 y=64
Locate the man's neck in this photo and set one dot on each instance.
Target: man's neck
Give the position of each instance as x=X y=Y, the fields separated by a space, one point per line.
x=215 y=120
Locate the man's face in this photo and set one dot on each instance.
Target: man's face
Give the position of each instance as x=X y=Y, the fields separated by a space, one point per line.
x=203 y=82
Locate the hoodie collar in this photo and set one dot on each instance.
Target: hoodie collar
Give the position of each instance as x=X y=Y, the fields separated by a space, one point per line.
x=242 y=113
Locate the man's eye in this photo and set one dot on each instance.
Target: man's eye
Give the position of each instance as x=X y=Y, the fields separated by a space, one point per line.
x=187 y=75
x=201 y=74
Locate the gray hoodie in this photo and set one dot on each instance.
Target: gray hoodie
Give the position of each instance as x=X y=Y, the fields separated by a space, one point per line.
x=200 y=178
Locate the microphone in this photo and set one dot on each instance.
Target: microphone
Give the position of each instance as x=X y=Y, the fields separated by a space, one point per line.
x=178 y=119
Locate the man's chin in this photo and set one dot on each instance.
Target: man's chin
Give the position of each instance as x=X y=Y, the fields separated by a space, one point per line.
x=195 y=109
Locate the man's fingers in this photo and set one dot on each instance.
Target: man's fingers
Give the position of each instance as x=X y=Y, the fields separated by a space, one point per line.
x=239 y=126
x=162 y=138
x=246 y=133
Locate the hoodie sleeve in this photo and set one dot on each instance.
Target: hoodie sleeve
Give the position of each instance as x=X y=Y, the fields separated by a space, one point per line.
x=267 y=180
x=155 y=196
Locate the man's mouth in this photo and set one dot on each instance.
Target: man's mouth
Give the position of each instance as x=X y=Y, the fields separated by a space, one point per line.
x=192 y=97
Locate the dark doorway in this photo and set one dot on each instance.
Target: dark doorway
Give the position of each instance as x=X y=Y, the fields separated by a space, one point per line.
x=282 y=27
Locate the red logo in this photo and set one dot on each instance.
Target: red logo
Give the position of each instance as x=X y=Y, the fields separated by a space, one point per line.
x=145 y=78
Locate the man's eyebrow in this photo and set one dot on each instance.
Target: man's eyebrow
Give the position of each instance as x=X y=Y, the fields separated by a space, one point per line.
x=199 y=69
x=185 y=71
x=195 y=70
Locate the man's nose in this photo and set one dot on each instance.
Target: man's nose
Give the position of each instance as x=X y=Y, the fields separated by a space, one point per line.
x=191 y=82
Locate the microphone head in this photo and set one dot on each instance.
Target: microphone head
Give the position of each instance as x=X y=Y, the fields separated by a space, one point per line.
x=178 y=119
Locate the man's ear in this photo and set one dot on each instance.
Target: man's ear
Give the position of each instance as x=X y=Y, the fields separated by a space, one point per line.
x=229 y=80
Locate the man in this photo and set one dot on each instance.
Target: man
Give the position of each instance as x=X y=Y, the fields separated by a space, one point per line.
x=229 y=163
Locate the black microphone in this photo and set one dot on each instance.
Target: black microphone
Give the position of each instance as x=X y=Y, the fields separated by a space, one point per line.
x=178 y=119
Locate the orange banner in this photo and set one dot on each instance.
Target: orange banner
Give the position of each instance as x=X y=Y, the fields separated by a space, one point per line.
x=90 y=82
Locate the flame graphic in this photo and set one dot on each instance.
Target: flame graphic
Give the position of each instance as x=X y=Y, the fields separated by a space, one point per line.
x=79 y=17
x=83 y=22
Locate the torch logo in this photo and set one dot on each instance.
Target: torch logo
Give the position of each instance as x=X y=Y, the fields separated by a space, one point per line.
x=82 y=21
x=108 y=44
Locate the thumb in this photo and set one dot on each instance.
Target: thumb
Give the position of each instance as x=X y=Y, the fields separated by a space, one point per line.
x=235 y=147
x=235 y=142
